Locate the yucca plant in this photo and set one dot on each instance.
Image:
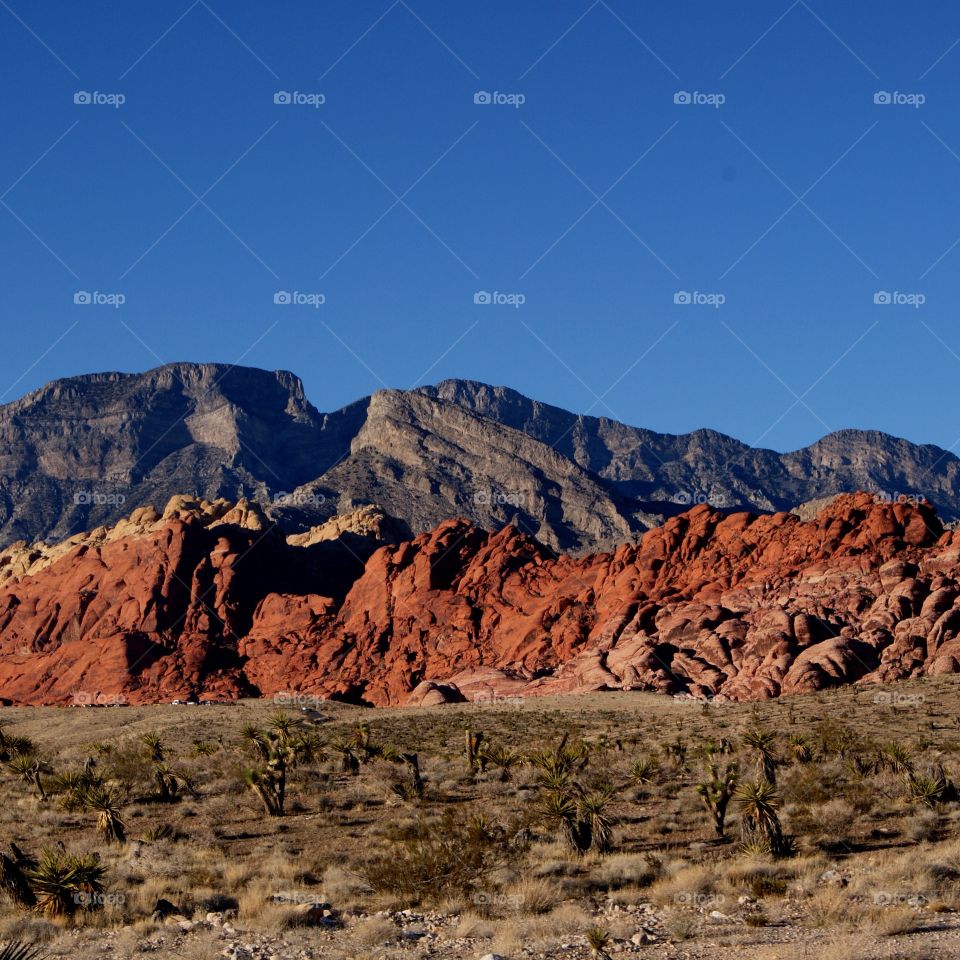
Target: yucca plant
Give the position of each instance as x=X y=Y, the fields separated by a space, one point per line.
x=170 y=786
x=11 y=746
x=414 y=788
x=800 y=748
x=71 y=785
x=64 y=882
x=763 y=743
x=503 y=758
x=598 y=940
x=558 y=765
x=644 y=770
x=106 y=802
x=561 y=810
x=760 y=826
x=930 y=788
x=896 y=757
x=716 y=790
x=29 y=768
x=18 y=950
x=154 y=745
x=592 y=808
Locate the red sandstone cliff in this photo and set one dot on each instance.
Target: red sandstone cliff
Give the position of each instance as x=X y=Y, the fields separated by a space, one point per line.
x=218 y=604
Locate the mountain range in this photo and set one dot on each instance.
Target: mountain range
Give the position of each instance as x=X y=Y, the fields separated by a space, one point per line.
x=84 y=451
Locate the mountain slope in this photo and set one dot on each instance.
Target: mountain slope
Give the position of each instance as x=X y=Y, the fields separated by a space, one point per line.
x=85 y=451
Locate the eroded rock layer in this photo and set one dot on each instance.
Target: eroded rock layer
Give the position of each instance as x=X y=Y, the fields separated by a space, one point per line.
x=210 y=600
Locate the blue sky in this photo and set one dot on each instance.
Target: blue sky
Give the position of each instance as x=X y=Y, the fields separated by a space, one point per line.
x=597 y=201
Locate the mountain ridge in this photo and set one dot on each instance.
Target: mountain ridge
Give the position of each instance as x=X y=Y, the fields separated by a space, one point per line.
x=82 y=451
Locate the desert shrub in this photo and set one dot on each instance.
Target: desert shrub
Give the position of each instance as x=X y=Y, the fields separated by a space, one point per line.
x=450 y=857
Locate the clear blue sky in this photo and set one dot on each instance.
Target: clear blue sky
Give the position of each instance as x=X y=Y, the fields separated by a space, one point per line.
x=598 y=200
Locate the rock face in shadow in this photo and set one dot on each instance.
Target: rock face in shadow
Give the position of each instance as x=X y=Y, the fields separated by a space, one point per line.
x=86 y=451
x=211 y=600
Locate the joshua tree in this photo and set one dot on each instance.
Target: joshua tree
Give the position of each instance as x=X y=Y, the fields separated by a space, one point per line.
x=279 y=748
x=716 y=791
x=14 y=882
x=170 y=786
x=762 y=742
x=760 y=823
x=476 y=761
x=581 y=816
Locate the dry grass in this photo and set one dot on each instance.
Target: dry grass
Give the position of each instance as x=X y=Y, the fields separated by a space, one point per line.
x=868 y=861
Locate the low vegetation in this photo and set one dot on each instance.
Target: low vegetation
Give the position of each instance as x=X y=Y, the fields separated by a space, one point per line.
x=611 y=823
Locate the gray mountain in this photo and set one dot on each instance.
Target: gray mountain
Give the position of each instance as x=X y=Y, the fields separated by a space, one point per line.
x=86 y=450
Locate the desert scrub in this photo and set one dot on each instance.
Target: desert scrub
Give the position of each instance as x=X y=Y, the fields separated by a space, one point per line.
x=428 y=860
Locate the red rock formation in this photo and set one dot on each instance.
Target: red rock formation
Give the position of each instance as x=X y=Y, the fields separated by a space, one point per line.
x=736 y=606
